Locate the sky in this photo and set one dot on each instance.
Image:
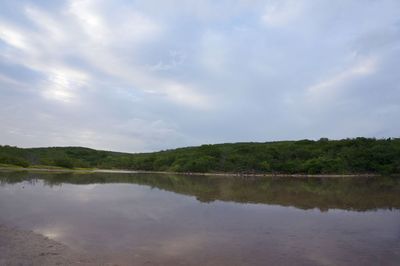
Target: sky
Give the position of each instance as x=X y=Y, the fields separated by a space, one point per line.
x=149 y=75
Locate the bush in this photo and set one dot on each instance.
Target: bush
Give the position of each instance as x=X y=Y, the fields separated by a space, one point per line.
x=64 y=162
x=14 y=161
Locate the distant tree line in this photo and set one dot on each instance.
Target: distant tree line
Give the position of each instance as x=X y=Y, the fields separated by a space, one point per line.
x=359 y=155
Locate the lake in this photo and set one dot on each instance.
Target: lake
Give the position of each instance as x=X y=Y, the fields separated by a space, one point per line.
x=204 y=220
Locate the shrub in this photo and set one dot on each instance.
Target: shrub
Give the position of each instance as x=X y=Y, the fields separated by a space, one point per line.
x=64 y=162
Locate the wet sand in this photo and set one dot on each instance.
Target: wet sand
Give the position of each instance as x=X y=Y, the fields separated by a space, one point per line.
x=19 y=247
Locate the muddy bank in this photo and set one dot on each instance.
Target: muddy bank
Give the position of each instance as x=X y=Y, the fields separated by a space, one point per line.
x=19 y=247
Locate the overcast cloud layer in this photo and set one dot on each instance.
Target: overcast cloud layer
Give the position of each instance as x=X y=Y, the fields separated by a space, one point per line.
x=150 y=75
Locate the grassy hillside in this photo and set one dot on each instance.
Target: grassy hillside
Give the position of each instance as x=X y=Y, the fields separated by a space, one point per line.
x=360 y=155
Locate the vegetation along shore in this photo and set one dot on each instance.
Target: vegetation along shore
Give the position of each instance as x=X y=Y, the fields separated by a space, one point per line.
x=359 y=156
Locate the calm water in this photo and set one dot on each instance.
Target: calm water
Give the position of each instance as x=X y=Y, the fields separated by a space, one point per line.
x=197 y=220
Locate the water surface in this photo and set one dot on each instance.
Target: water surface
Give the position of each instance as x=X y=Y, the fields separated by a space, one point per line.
x=197 y=220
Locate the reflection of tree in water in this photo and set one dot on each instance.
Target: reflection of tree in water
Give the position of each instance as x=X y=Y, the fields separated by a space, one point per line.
x=347 y=193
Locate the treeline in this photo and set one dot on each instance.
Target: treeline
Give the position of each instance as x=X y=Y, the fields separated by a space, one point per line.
x=67 y=157
x=359 y=155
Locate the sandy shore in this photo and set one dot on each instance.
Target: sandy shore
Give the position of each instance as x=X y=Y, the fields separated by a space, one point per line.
x=19 y=247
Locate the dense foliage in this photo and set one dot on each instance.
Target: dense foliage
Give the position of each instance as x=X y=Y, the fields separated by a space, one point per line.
x=360 y=155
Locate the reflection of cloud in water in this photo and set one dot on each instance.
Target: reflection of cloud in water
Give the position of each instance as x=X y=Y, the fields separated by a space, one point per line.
x=52 y=232
x=127 y=200
x=106 y=192
x=88 y=187
x=182 y=244
x=100 y=192
x=175 y=246
x=167 y=228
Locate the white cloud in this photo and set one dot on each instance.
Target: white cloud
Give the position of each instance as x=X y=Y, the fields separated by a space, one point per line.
x=282 y=12
x=86 y=14
x=214 y=52
x=326 y=90
x=147 y=75
x=11 y=81
x=63 y=84
x=129 y=27
x=12 y=36
x=48 y=26
x=187 y=96
x=176 y=58
x=99 y=46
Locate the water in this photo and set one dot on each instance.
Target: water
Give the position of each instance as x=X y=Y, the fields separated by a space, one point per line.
x=196 y=220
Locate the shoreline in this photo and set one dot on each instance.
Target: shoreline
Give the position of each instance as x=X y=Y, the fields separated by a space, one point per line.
x=123 y=171
x=24 y=247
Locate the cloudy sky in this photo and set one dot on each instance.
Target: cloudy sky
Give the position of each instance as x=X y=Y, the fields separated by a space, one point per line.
x=149 y=75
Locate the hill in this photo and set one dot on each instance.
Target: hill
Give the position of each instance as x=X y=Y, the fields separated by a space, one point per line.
x=347 y=156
